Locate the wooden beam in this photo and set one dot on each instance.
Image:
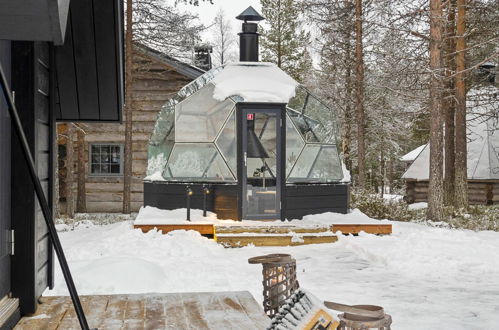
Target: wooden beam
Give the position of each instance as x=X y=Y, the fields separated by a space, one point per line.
x=368 y=228
x=203 y=229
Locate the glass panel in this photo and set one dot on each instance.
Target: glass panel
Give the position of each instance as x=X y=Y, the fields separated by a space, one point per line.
x=158 y=156
x=261 y=175
x=165 y=121
x=95 y=168
x=294 y=145
x=104 y=168
x=317 y=163
x=318 y=116
x=296 y=103
x=227 y=143
x=115 y=169
x=304 y=125
x=200 y=117
x=196 y=162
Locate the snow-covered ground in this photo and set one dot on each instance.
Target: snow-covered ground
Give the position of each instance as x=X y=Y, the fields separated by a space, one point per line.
x=425 y=277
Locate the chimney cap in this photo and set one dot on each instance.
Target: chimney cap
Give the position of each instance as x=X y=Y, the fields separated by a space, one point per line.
x=250 y=14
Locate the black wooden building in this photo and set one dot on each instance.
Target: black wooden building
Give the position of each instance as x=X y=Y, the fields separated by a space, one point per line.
x=64 y=62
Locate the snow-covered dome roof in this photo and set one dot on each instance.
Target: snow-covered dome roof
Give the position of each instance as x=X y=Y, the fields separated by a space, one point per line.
x=254 y=82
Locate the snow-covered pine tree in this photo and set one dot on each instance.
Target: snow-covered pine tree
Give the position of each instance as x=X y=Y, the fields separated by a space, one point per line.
x=284 y=41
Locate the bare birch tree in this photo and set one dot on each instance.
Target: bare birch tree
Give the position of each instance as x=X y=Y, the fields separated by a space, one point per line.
x=224 y=39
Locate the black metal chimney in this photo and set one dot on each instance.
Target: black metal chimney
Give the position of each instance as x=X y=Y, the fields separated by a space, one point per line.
x=248 y=38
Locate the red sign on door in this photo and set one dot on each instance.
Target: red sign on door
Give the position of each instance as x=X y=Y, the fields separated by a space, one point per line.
x=250 y=116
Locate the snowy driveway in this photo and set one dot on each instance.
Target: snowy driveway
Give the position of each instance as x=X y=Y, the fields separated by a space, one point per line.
x=426 y=278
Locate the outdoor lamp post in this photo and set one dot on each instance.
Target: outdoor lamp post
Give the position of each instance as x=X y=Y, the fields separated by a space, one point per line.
x=188 y=193
x=206 y=192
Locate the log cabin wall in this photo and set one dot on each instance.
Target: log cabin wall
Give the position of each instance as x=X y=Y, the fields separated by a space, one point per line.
x=479 y=192
x=154 y=83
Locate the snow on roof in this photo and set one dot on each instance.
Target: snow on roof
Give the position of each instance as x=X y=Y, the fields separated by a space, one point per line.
x=411 y=155
x=254 y=82
x=483 y=140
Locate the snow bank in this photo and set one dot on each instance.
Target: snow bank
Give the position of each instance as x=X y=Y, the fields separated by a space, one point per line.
x=254 y=82
x=425 y=277
x=149 y=215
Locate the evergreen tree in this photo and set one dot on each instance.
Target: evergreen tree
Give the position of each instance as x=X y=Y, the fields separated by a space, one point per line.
x=284 y=42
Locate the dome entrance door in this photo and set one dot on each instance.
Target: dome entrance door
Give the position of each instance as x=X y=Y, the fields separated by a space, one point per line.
x=261 y=175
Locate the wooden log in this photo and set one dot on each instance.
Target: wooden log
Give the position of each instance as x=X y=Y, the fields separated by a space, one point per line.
x=272 y=240
x=346 y=229
x=203 y=229
x=232 y=229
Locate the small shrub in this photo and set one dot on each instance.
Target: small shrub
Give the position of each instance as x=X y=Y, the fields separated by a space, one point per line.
x=377 y=207
x=477 y=217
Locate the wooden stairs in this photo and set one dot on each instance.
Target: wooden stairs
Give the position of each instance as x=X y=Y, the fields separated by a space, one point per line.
x=238 y=236
x=235 y=235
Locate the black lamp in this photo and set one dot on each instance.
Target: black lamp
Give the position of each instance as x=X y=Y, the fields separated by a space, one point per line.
x=254 y=149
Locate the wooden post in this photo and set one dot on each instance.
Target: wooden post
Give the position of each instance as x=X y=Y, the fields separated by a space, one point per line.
x=359 y=95
x=127 y=164
x=435 y=188
x=70 y=170
x=81 y=198
x=461 y=183
x=347 y=118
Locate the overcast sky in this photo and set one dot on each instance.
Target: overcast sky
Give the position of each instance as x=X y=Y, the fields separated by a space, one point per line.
x=232 y=8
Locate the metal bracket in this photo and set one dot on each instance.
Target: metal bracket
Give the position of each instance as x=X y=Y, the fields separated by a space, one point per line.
x=11 y=242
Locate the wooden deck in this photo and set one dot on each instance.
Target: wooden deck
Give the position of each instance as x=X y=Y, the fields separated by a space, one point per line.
x=214 y=230
x=218 y=310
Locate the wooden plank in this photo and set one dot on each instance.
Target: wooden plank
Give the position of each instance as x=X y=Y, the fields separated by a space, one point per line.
x=154 y=311
x=234 y=229
x=203 y=229
x=209 y=310
x=175 y=311
x=253 y=309
x=111 y=207
x=96 y=306
x=194 y=311
x=134 y=314
x=55 y=307
x=368 y=228
x=272 y=240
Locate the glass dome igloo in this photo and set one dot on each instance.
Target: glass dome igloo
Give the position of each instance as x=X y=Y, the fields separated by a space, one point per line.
x=195 y=138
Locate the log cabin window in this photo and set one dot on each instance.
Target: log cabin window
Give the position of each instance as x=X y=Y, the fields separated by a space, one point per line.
x=106 y=159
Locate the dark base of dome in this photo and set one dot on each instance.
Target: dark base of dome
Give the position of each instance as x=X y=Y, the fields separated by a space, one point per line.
x=224 y=199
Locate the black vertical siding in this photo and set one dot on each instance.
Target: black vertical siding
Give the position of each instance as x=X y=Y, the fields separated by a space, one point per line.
x=298 y=200
x=32 y=261
x=5 y=137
